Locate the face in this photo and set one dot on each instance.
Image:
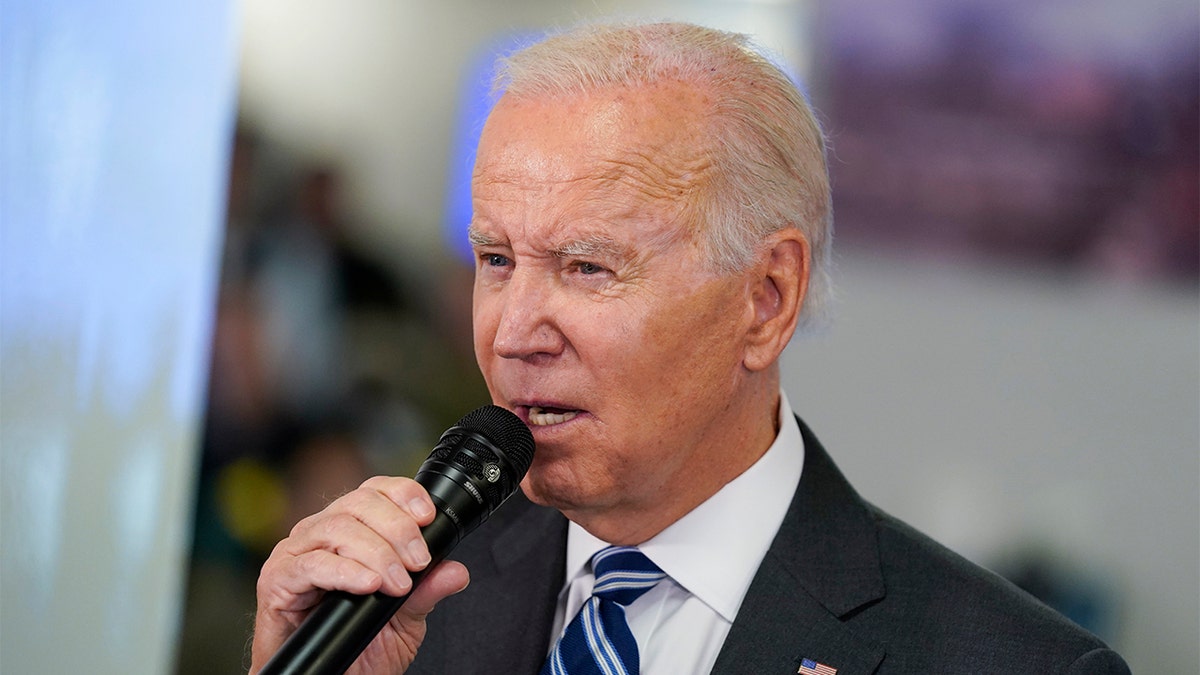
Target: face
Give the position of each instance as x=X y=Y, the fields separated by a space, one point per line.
x=595 y=317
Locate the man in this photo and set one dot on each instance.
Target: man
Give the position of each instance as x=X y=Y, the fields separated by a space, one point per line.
x=651 y=216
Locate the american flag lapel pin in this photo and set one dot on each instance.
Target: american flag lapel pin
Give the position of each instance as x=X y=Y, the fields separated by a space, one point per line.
x=810 y=667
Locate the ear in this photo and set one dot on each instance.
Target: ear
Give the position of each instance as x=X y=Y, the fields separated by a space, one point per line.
x=777 y=289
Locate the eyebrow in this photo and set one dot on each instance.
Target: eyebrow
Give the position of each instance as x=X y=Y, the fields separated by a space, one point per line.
x=597 y=246
x=478 y=238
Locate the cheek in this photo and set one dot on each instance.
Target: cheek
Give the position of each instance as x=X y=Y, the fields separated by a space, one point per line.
x=695 y=348
x=483 y=327
x=702 y=328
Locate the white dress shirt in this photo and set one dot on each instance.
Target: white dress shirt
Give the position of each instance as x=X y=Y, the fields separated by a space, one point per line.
x=710 y=556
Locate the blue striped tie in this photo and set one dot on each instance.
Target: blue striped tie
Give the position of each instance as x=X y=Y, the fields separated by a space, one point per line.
x=598 y=641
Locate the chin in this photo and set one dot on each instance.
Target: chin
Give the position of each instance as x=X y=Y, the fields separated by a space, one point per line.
x=561 y=492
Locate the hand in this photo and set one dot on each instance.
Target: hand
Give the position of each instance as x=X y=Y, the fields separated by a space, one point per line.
x=366 y=541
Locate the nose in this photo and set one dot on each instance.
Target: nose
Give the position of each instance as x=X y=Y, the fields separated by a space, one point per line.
x=527 y=328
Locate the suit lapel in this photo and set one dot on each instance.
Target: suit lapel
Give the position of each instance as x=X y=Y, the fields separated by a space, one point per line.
x=822 y=567
x=515 y=584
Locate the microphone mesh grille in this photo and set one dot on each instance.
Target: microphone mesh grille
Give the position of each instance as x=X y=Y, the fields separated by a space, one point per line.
x=506 y=430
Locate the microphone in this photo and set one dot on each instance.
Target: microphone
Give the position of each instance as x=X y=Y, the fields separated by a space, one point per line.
x=476 y=465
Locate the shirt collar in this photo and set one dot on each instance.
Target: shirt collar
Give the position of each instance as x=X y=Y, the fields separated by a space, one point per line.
x=715 y=550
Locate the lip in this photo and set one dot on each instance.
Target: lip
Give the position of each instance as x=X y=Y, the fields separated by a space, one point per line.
x=524 y=408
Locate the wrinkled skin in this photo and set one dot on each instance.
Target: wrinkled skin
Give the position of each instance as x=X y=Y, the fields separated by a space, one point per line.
x=648 y=380
x=366 y=541
x=593 y=303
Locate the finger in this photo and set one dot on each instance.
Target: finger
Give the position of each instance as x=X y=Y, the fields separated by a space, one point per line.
x=366 y=526
x=406 y=493
x=396 y=508
x=289 y=586
x=296 y=583
x=345 y=537
x=396 y=646
x=404 y=534
x=446 y=579
x=379 y=496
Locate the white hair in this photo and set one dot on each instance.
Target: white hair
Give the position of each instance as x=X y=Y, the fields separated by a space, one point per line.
x=767 y=145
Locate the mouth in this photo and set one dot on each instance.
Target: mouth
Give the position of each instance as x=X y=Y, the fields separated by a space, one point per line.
x=539 y=416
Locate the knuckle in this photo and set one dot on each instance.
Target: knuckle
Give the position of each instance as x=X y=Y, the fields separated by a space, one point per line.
x=303 y=525
x=266 y=580
x=305 y=564
x=352 y=501
x=383 y=483
x=337 y=525
x=396 y=488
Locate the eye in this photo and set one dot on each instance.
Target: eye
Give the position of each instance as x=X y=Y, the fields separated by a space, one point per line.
x=589 y=268
x=494 y=260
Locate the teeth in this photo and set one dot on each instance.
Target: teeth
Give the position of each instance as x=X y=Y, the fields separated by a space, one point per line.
x=540 y=418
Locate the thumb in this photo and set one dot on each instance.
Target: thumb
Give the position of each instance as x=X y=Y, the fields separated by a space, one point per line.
x=396 y=646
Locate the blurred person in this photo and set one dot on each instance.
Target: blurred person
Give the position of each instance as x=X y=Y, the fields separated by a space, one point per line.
x=288 y=269
x=651 y=226
x=313 y=281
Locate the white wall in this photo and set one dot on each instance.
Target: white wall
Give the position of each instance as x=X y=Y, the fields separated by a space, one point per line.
x=993 y=410
x=114 y=144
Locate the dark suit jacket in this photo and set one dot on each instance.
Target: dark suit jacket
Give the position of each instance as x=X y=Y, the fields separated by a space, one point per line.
x=843 y=584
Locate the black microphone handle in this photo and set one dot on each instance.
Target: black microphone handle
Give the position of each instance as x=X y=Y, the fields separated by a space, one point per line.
x=475 y=467
x=342 y=625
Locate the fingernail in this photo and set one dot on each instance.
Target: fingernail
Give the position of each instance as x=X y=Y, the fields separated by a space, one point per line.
x=418 y=552
x=399 y=575
x=420 y=508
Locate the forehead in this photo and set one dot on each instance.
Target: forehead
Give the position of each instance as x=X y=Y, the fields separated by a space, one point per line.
x=621 y=145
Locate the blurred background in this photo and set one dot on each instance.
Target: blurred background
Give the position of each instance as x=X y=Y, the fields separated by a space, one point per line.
x=1014 y=364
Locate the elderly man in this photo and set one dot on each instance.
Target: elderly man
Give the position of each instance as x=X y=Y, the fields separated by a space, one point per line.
x=651 y=216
